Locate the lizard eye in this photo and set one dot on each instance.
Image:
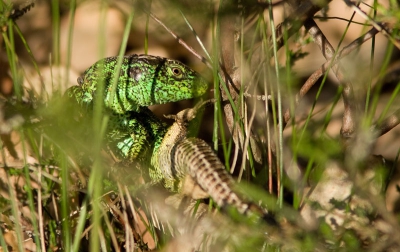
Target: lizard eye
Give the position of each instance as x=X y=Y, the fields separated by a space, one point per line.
x=135 y=73
x=176 y=72
x=80 y=80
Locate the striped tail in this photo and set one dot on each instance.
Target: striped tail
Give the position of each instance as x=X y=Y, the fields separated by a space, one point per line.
x=194 y=157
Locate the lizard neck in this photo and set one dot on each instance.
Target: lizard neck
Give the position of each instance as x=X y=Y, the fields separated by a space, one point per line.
x=116 y=98
x=161 y=158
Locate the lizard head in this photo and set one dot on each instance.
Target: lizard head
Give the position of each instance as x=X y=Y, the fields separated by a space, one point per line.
x=143 y=80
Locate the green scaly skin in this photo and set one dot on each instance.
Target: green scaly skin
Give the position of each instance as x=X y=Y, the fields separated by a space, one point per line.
x=144 y=80
x=134 y=134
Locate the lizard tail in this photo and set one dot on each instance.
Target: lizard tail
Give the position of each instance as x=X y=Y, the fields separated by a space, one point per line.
x=196 y=157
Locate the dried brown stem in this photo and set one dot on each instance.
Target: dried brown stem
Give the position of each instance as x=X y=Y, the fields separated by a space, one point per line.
x=227 y=40
x=303 y=10
x=388 y=123
x=380 y=27
x=228 y=70
x=350 y=103
x=314 y=77
x=180 y=41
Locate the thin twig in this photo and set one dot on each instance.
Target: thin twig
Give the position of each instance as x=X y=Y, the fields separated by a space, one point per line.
x=380 y=27
x=388 y=123
x=314 y=77
x=40 y=212
x=228 y=70
x=34 y=168
x=180 y=41
x=350 y=104
x=112 y=208
x=302 y=11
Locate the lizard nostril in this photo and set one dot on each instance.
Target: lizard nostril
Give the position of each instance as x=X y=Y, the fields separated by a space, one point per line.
x=80 y=80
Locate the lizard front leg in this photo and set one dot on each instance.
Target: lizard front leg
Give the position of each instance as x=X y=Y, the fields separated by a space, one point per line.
x=133 y=135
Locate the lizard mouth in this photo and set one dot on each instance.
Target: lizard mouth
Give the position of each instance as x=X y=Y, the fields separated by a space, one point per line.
x=200 y=88
x=80 y=80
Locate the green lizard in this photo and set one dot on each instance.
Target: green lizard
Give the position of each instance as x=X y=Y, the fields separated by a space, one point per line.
x=142 y=81
x=135 y=134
